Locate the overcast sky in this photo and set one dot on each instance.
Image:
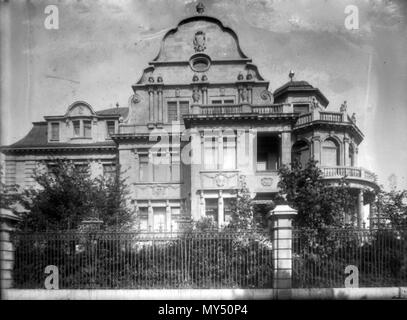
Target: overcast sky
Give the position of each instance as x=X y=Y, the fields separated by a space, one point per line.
x=101 y=48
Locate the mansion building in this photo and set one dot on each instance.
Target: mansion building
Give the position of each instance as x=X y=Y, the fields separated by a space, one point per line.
x=201 y=118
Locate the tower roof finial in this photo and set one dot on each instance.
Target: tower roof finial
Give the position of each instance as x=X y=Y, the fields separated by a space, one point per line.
x=291 y=75
x=200 y=8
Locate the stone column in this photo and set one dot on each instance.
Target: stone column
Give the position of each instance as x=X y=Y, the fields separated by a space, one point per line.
x=360 y=209
x=160 y=105
x=285 y=148
x=151 y=105
x=204 y=91
x=7 y=221
x=316 y=149
x=281 y=230
x=345 y=152
x=250 y=94
x=221 y=218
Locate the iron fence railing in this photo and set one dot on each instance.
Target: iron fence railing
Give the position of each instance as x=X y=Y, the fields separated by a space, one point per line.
x=145 y=260
x=320 y=258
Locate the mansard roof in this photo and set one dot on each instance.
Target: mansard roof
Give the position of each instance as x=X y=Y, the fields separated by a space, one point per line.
x=123 y=112
x=37 y=137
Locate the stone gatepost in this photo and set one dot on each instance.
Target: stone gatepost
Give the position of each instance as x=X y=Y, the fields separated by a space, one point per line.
x=7 y=222
x=281 y=229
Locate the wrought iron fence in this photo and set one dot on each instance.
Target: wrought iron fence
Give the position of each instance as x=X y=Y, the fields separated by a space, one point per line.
x=145 y=260
x=320 y=257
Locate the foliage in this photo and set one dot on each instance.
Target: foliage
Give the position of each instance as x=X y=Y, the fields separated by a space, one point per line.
x=195 y=259
x=67 y=195
x=9 y=194
x=242 y=209
x=392 y=207
x=319 y=205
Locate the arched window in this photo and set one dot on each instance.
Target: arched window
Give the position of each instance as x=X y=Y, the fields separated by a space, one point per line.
x=351 y=155
x=330 y=153
x=301 y=153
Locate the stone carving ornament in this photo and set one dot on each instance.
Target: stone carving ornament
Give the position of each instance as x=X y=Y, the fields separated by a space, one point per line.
x=266 y=182
x=344 y=106
x=199 y=41
x=196 y=95
x=220 y=180
x=266 y=95
x=136 y=98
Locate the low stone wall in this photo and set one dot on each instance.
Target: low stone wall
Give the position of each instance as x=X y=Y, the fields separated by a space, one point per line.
x=207 y=294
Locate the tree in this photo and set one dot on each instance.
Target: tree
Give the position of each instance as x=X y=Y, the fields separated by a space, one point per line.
x=242 y=209
x=392 y=206
x=319 y=205
x=67 y=194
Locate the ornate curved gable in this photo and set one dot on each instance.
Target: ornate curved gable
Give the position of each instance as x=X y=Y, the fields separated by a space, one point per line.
x=200 y=34
x=79 y=108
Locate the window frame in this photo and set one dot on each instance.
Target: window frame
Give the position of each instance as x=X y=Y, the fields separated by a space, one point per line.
x=52 y=138
x=108 y=134
x=178 y=103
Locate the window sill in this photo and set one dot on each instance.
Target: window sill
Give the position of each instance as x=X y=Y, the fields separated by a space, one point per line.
x=78 y=138
x=267 y=171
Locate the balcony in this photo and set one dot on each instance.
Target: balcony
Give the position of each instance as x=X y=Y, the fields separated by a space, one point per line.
x=331 y=120
x=357 y=173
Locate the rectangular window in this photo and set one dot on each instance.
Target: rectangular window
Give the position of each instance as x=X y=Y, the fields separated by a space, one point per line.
x=229 y=152
x=172 y=111
x=227 y=209
x=55 y=131
x=211 y=208
x=211 y=153
x=268 y=152
x=87 y=129
x=109 y=171
x=159 y=222
x=301 y=108
x=227 y=100
x=144 y=173
x=143 y=218
x=76 y=128
x=110 y=126
x=183 y=107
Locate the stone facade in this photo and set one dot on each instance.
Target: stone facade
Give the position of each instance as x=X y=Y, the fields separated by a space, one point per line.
x=200 y=119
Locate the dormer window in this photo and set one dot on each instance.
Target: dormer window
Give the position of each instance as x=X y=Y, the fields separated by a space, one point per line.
x=87 y=128
x=110 y=127
x=82 y=128
x=76 y=128
x=55 y=131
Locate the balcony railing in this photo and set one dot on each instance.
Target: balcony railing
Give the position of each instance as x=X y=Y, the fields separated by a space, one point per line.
x=353 y=172
x=233 y=109
x=337 y=117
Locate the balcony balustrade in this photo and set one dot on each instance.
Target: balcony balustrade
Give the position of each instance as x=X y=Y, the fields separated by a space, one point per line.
x=351 y=172
x=235 y=109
